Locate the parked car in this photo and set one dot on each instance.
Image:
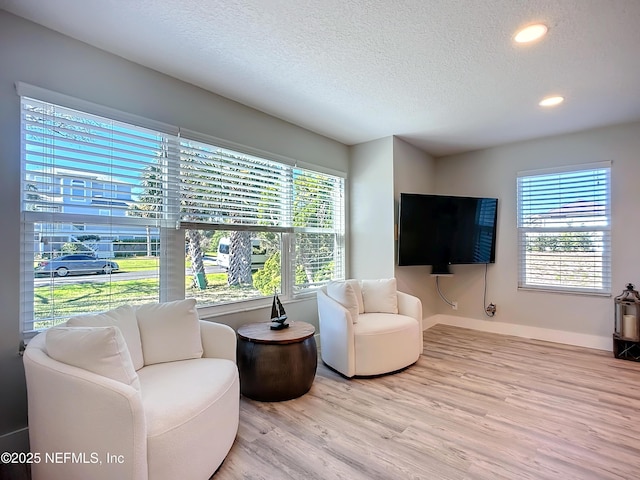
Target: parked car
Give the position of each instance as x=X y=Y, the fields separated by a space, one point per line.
x=80 y=264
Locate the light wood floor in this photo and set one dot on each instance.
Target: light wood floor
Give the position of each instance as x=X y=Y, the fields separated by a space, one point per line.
x=475 y=406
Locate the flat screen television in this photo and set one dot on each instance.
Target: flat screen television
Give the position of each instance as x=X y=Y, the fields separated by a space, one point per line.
x=441 y=230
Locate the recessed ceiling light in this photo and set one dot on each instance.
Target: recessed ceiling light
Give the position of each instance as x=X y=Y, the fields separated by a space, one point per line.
x=530 y=33
x=551 y=101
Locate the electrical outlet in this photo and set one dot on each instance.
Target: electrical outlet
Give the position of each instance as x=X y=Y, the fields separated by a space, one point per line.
x=491 y=309
x=455 y=305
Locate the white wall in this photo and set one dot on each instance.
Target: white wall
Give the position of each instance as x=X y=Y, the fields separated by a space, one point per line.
x=380 y=171
x=41 y=57
x=371 y=210
x=492 y=173
x=413 y=172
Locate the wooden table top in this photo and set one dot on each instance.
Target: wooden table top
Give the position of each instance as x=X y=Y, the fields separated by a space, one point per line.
x=261 y=333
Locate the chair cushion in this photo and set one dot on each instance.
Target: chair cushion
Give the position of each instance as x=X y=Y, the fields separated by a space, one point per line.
x=355 y=284
x=385 y=342
x=169 y=331
x=383 y=323
x=125 y=319
x=101 y=350
x=192 y=410
x=380 y=296
x=343 y=293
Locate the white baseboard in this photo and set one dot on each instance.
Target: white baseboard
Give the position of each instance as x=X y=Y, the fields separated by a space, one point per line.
x=525 y=331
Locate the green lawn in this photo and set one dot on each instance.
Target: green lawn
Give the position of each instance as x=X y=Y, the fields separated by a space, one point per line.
x=137 y=264
x=141 y=264
x=65 y=300
x=133 y=264
x=62 y=301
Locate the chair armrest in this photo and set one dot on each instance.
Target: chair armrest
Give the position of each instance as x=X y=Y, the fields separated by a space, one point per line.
x=74 y=410
x=412 y=307
x=218 y=340
x=337 y=343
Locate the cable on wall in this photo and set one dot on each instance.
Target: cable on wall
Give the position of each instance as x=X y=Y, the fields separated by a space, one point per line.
x=489 y=310
x=440 y=293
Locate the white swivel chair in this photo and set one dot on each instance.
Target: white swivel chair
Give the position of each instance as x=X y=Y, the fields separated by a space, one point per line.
x=368 y=328
x=135 y=393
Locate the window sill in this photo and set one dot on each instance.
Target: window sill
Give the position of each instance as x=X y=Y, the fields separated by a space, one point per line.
x=211 y=312
x=563 y=291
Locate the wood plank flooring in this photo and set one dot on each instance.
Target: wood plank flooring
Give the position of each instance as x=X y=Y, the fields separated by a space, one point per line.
x=475 y=406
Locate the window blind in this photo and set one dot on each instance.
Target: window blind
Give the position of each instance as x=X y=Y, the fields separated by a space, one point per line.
x=118 y=188
x=92 y=186
x=79 y=166
x=318 y=219
x=220 y=186
x=229 y=190
x=564 y=229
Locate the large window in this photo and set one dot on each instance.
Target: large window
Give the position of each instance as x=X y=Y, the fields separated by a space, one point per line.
x=116 y=213
x=564 y=229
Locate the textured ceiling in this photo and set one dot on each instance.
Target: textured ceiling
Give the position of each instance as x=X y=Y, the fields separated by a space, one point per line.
x=442 y=74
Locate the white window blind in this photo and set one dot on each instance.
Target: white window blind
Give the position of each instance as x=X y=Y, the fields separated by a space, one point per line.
x=220 y=186
x=318 y=218
x=564 y=229
x=225 y=189
x=143 y=211
x=120 y=167
x=92 y=186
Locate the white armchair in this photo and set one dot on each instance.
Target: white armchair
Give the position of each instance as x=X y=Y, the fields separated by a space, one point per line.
x=150 y=392
x=368 y=328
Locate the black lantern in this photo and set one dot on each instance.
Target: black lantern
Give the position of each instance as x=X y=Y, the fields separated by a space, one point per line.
x=626 y=335
x=627 y=314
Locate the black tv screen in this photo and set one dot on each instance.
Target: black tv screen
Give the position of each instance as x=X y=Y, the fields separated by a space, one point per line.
x=440 y=230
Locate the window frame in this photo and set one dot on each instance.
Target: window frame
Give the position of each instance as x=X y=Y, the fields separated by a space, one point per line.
x=172 y=231
x=599 y=219
x=77 y=190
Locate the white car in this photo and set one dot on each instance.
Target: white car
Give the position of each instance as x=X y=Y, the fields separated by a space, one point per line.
x=258 y=254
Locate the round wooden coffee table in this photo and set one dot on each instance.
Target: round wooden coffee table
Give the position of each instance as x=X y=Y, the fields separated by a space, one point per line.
x=276 y=365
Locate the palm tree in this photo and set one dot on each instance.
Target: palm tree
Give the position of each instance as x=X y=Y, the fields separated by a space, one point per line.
x=200 y=170
x=239 y=272
x=152 y=206
x=194 y=239
x=310 y=209
x=242 y=192
x=151 y=198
